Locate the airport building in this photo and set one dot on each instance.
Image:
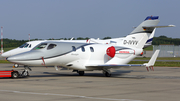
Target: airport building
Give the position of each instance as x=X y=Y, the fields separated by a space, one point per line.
x=167 y=50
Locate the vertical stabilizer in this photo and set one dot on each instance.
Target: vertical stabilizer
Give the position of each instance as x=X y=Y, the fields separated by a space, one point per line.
x=139 y=36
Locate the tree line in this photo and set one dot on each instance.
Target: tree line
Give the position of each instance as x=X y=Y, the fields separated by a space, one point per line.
x=7 y=43
x=161 y=40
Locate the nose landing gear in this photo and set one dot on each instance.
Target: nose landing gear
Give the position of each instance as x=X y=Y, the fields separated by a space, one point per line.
x=25 y=73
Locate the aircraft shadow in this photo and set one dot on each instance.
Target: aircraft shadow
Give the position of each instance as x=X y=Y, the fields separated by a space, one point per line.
x=115 y=74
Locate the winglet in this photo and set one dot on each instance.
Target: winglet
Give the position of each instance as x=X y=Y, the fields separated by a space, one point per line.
x=153 y=59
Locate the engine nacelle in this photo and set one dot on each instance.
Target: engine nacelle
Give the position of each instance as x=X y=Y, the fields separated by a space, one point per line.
x=119 y=52
x=124 y=53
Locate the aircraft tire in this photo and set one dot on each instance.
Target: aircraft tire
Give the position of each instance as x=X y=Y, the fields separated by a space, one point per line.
x=15 y=75
x=25 y=73
x=81 y=73
x=107 y=74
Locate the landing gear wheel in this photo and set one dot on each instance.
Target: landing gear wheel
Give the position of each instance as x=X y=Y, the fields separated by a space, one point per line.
x=107 y=74
x=81 y=73
x=15 y=75
x=25 y=73
x=16 y=65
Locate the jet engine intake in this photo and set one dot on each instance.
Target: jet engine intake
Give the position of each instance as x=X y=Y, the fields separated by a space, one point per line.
x=111 y=51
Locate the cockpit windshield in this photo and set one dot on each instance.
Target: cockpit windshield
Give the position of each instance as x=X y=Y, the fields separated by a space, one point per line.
x=23 y=45
x=26 y=45
x=41 y=46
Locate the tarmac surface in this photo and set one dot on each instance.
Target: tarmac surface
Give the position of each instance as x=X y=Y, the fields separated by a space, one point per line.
x=125 y=84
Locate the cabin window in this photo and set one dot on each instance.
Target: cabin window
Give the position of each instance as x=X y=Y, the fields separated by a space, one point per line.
x=91 y=49
x=73 y=48
x=83 y=49
x=51 y=46
x=41 y=46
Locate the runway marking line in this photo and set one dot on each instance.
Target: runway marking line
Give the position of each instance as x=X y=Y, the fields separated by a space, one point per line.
x=78 y=96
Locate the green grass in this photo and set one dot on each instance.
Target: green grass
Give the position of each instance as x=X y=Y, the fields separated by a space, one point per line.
x=4 y=61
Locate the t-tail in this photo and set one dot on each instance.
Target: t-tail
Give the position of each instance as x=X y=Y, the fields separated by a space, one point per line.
x=144 y=33
x=139 y=36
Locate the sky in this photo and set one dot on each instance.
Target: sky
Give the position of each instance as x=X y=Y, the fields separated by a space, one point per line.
x=44 y=19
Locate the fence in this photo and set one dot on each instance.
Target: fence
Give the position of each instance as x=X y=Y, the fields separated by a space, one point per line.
x=168 y=50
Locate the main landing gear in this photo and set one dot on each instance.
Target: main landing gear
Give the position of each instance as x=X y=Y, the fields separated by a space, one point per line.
x=81 y=73
x=25 y=73
x=107 y=72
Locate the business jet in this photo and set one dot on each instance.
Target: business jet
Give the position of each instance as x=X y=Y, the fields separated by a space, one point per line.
x=81 y=57
x=31 y=44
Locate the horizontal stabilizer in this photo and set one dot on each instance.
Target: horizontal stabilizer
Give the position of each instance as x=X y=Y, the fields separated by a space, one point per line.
x=158 y=26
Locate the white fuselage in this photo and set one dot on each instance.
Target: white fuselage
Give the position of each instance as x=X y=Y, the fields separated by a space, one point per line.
x=84 y=55
x=30 y=45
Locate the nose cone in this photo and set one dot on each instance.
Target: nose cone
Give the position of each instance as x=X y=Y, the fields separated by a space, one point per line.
x=24 y=57
x=15 y=58
x=19 y=59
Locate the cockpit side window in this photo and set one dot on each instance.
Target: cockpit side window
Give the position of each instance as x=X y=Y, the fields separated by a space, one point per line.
x=29 y=45
x=41 y=46
x=51 y=46
x=23 y=45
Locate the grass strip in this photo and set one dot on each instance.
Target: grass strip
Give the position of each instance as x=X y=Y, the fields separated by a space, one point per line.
x=4 y=61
